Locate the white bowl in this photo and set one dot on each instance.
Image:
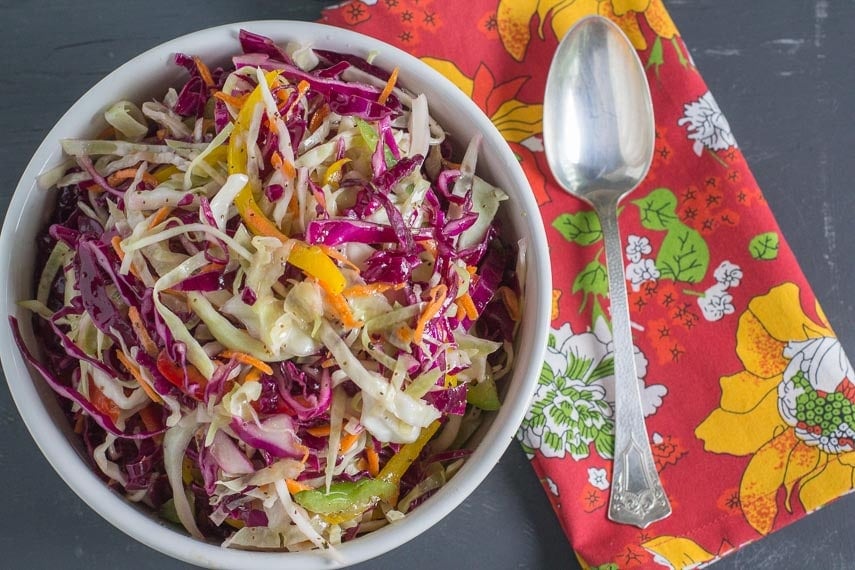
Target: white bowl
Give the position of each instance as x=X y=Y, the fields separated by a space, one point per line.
x=148 y=75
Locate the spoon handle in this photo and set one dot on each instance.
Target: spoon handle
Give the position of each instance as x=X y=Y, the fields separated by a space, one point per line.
x=637 y=496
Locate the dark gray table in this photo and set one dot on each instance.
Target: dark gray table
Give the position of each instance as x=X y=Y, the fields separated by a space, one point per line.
x=784 y=74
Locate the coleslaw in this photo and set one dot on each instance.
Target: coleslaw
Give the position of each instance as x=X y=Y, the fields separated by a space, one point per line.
x=274 y=307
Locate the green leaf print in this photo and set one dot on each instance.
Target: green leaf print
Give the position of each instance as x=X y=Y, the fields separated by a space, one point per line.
x=658 y=210
x=605 y=441
x=546 y=375
x=582 y=228
x=577 y=365
x=592 y=280
x=684 y=255
x=605 y=368
x=656 y=58
x=552 y=440
x=764 y=246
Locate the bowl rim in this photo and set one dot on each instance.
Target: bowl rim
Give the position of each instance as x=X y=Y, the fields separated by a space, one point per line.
x=81 y=478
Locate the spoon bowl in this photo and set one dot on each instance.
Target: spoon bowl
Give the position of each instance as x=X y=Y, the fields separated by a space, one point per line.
x=598 y=132
x=598 y=125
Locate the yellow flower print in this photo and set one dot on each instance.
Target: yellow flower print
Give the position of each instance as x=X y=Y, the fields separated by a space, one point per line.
x=514 y=19
x=792 y=409
x=516 y=120
x=677 y=552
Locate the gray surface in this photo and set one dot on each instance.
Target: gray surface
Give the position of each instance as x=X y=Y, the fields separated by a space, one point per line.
x=783 y=72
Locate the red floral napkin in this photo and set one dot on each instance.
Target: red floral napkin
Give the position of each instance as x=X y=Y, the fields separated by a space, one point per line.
x=749 y=398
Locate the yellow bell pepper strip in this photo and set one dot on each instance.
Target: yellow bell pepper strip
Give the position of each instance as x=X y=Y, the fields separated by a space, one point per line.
x=311 y=259
x=163 y=174
x=401 y=461
x=333 y=174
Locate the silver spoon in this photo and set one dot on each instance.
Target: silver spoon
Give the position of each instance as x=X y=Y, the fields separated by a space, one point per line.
x=599 y=136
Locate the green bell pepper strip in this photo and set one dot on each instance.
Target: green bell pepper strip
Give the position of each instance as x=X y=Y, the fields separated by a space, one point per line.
x=484 y=395
x=346 y=500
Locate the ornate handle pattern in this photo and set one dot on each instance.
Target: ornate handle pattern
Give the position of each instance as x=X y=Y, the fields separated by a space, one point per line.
x=637 y=496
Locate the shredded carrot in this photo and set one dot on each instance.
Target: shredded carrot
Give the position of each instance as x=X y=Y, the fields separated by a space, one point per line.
x=295 y=487
x=285 y=166
x=135 y=372
x=107 y=133
x=116 y=242
x=341 y=307
x=204 y=72
x=161 y=214
x=130 y=174
x=373 y=459
x=437 y=298
x=371 y=289
x=318 y=118
x=282 y=94
x=460 y=314
x=213 y=266
x=390 y=84
x=235 y=101
x=320 y=198
x=245 y=358
x=254 y=375
x=319 y=431
x=338 y=256
x=465 y=301
x=347 y=441
x=78 y=423
x=102 y=403
x=428 y=245
x=512 y=302
x=405 y=333
x=302 y=87
x=148 y=415
x=180 y=295
x=92 y=186
x=142 y=333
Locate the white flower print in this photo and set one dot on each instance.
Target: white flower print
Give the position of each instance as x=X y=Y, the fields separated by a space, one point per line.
x=716 y=303
x=643 y=270
x=728 y=275
x=637 y=247
x=707 y=126
x=553 y=488
x=574 y=401
x=598 y=478
x=816 y=394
